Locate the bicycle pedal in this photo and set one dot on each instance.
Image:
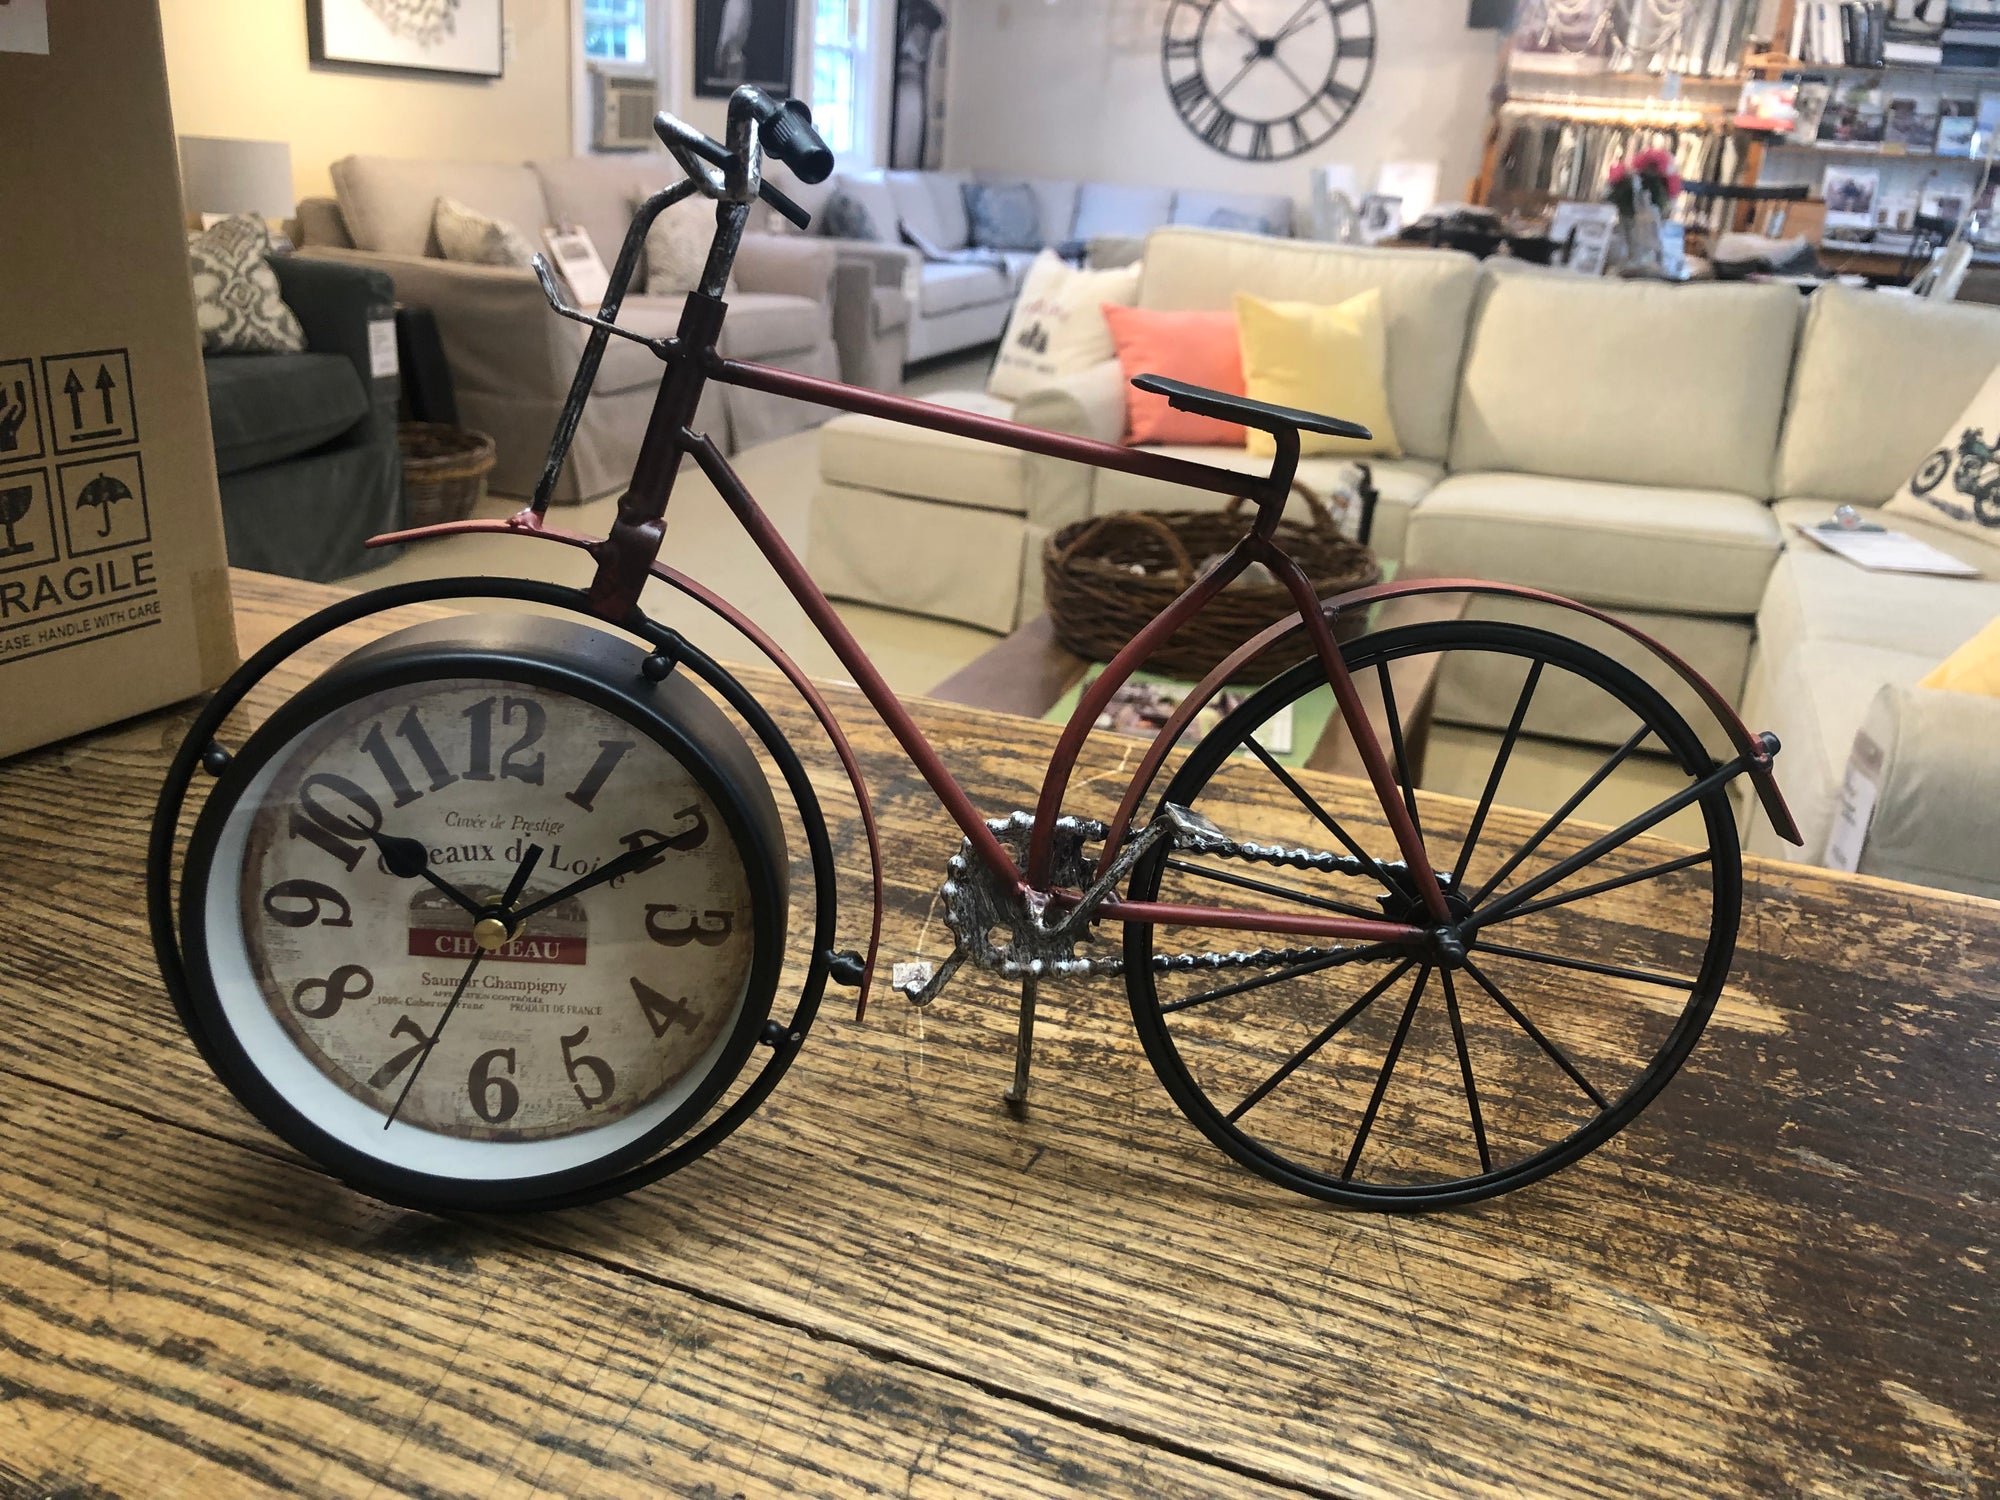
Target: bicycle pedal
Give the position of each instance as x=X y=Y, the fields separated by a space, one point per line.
x=911 y=978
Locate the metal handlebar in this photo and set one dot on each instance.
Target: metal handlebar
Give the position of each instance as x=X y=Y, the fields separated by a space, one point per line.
x=735 y=173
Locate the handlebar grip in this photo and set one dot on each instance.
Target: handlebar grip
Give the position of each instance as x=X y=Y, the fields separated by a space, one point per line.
x=788 y=134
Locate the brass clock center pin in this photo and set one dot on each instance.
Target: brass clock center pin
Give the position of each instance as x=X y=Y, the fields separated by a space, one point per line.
x=491 y=934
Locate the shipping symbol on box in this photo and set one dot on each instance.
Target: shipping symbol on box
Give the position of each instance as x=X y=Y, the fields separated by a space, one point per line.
x=103 y=503
x=27 y=522
x=20 y=414
x=90 y=399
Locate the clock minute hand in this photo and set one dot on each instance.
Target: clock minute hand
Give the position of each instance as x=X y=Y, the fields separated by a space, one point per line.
x=486 y=943
x=624 y=864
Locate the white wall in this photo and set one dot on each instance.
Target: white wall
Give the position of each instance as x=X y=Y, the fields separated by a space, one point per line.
x=1072 y=88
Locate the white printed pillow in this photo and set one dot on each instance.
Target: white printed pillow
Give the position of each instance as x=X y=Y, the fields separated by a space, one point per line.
x=465 y=234
x=237 y=304
x=1057 y=327
x=1958 y=485
x=677 y=248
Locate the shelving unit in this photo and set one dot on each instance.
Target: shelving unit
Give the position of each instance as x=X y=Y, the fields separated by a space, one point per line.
x=1576 y=87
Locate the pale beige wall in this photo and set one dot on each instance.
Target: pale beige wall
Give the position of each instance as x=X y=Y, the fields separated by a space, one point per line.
x=240 y=68
x=1074 y=90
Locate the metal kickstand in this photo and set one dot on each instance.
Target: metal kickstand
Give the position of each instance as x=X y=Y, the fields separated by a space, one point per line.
x=1024 y=1045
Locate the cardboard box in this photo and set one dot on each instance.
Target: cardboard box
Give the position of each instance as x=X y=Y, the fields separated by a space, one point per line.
x=114 y=588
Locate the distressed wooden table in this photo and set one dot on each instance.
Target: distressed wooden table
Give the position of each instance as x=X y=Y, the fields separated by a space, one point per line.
x=1779 y=1281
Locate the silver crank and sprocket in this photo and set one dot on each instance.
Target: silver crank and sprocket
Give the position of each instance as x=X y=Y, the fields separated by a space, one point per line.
x=1041 y=938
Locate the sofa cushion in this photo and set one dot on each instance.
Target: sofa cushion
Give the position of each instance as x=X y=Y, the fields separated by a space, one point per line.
x=1426 y=301
x=760 y=325
x=945 y=287
x=1631 y=382
x=1116 y=208
x=1004 y=216
x=1399 y=482
x=476 y=239
x=1958 y=484
x=264 y=407
x=861 y=207
x=596 y=193
x=1698 y=552
x=932 y=204
x=1853 y=436
x=1058 y=203
x=953 y=562
x=871 y=453
x=1814 y=595
x=1309 y=356
x=388 y=202
x=1248 y=213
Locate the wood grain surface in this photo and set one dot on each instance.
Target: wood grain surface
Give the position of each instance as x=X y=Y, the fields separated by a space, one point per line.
x=1779 y=1281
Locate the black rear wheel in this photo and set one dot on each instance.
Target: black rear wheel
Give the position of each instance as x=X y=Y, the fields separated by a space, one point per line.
x=1383 y=1076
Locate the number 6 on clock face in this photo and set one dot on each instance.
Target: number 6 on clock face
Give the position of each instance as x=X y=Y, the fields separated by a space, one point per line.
x=480 y=922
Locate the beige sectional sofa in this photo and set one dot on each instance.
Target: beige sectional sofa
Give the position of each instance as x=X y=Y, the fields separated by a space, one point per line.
x=511 y=358
x=1640 y=447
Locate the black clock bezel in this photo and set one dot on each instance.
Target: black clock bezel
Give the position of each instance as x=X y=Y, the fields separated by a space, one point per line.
x=1208 y=9
x=597 y=668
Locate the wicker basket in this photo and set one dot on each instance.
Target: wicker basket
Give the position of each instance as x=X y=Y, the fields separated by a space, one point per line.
x=1106 y=578
x=444 y=471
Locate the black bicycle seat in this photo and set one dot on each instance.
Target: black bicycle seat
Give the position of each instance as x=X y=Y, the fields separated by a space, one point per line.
x=1245 y=412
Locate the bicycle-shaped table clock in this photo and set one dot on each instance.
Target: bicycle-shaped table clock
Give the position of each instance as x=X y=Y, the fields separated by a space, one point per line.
x=493 y=914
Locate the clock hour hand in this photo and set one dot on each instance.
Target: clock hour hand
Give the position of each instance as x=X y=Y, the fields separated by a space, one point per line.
x=624 y=864
x=409 y=860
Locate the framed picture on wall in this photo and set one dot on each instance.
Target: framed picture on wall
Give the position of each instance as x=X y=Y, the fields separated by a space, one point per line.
x=743 y=41
x=428 y=36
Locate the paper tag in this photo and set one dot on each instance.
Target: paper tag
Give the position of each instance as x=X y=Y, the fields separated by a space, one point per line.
x=382 y=363
x=24 y=26
x=1857 y=806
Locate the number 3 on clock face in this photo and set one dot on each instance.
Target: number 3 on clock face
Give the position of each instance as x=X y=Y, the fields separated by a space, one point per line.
x=403 y=956
x=1267 y=79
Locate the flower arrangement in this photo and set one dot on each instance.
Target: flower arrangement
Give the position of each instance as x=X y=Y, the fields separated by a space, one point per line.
x=1651 y=172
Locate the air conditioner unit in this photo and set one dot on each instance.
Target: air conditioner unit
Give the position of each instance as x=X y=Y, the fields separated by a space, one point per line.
x=625 y=110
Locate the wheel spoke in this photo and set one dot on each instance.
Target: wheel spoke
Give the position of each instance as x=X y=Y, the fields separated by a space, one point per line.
x=1333 y=1029
x=1465 y=1070
x=1617 y=882
x=1557 y=818
x=1297 y=971
x=1396 y=746
x=1555 y=1053
x=1562 y=869
x=1382 y=1079
x=1311 y=805
x=1282 y=893
x=1493 y=779
x=1588 y=966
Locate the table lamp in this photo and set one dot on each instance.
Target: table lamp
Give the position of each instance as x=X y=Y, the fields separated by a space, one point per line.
x=221 y=176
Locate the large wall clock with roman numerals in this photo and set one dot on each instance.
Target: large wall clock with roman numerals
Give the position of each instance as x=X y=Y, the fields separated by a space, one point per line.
x=1263 y=80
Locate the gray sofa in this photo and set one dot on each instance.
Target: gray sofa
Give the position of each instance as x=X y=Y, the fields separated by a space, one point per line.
x=511 y=358
x=305 y=444
x=961 y=304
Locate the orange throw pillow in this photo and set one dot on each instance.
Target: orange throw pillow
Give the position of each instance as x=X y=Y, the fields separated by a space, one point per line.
x=1201 y=348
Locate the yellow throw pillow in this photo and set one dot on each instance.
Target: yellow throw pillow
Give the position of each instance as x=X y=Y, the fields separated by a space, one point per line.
x=1972 y=668
x=1320 y=358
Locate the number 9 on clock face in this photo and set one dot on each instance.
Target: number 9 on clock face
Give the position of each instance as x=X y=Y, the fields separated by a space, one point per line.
x=485 y=916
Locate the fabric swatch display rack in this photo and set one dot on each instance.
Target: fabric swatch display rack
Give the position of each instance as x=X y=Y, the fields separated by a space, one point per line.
x=1562 y=153
x=1698 y=38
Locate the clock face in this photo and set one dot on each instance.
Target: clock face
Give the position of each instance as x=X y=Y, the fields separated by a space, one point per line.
x=401 y=931
x=1267 y=79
